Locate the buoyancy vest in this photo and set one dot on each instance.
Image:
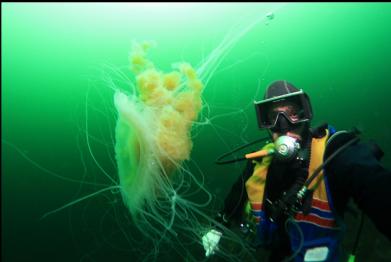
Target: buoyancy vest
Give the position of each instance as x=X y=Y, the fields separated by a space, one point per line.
x=317 y=236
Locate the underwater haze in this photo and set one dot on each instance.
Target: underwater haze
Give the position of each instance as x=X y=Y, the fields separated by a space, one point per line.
x=61 y=65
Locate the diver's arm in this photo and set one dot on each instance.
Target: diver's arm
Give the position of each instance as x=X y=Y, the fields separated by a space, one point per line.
x=357 y=173
x=232 y=211
x=236 y=198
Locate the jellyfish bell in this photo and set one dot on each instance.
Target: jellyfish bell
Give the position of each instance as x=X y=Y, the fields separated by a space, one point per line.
x=153 y=131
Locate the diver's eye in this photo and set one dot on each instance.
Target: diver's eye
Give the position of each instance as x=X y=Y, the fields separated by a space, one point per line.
x=294 y=117
x=292 y=114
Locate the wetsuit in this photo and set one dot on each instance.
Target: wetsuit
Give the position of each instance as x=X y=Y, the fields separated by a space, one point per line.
x=354 y=173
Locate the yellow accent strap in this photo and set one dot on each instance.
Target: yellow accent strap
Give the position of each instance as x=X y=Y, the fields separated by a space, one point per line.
x=318 y=147
x=255 y=185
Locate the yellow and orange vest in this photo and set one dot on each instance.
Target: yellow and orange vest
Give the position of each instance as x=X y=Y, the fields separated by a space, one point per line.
x=319 y=226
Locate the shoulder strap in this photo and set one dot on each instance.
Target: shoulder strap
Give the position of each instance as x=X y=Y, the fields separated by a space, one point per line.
x=338 y=139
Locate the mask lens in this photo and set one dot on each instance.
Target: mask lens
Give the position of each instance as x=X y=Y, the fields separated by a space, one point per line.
x=290 y=112
x=294 y=107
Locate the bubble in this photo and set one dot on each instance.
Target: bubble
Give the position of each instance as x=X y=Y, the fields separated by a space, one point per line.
x=270 y=16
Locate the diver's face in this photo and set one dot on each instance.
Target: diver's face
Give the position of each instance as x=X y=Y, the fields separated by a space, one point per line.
x=296 y=133
x=291 y=112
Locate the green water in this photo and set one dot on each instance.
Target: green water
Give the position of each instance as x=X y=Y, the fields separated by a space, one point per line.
x=54 y=55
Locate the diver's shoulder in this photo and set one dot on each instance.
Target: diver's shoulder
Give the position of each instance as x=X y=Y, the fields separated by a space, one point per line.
x=337 y=138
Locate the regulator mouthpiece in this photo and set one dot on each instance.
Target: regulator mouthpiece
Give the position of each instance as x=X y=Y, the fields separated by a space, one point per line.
x=286 y=148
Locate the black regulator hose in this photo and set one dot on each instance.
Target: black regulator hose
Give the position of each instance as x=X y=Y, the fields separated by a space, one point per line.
x=220 y=161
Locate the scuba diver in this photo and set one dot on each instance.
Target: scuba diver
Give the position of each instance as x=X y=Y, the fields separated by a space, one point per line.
x=299 y=184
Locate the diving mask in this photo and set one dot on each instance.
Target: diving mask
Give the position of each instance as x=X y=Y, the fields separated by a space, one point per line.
x=293 y=108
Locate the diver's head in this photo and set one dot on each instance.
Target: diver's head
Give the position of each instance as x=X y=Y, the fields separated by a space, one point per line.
x=285 y=110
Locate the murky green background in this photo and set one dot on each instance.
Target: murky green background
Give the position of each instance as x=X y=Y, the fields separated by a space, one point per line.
x=55 y=58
